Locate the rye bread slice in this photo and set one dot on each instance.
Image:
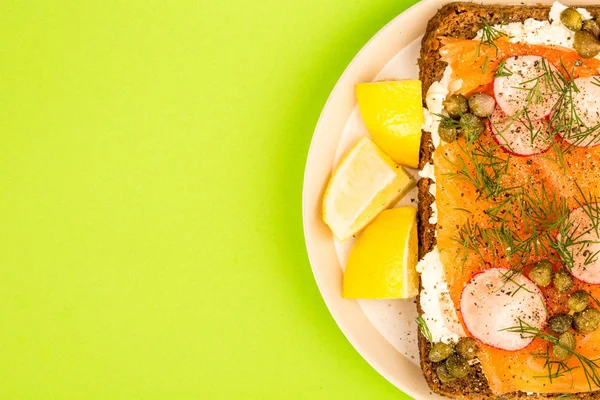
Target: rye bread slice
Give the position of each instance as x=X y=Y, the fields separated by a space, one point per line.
x=463 y=20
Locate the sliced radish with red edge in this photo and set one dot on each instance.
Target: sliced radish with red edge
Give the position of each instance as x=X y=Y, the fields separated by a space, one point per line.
x=583 y=244
x=497 y=299
x=522 y=138
x=526 y=84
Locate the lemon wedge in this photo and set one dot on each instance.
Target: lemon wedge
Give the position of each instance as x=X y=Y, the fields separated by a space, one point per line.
x=366 y=182
x=382 y=263
x=393 y=114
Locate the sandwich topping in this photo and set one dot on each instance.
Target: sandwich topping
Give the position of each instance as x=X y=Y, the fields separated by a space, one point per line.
x=551 y=32
x=515 y=122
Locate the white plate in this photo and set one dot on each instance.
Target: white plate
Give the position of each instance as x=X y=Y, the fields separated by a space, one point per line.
x=383 y=332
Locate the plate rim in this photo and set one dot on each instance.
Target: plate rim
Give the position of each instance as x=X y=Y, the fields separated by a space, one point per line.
x=348 y=334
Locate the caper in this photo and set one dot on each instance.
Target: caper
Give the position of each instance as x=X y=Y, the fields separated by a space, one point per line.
x=439 y=352
x=447 y=130
x=467 y=348
x=443 y=374
x=541 y=273
x=560 y=323
x=586 y=321
x=586 y=44
x=471 y=127
x=565 y=341
x=571 y=18
x=481 y=104
x=591 y=26
x=456 y=105
x=560 y=353
x=563 y=282
x=457 y=366
x=578 y=301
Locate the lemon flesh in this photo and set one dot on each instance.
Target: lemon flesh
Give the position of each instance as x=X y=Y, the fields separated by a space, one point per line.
x=365 y=183
x=382 y=263
x=393 y=114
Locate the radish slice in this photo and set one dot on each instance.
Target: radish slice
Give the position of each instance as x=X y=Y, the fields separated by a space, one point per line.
x=527 y=84
x=586 y=103
x=583 y=243
x=522 y=138
x=494 y=300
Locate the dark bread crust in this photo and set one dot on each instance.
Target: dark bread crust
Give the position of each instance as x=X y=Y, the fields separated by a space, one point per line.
x=462 y=20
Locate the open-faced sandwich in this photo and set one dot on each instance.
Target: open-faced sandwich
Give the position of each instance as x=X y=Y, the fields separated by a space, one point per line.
x=508 y=215
x=509 y=209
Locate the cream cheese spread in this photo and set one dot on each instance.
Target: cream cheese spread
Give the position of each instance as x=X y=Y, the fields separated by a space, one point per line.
x=438 y=310
x=532 y=31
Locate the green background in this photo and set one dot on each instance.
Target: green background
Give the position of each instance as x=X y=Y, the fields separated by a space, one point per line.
x=151 y=168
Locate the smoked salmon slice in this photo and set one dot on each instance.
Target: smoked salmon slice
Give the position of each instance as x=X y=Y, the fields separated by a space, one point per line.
x=476 y=63
x=461 y=207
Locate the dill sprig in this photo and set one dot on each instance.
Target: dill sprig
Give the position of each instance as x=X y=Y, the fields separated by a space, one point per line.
x=589 y=366
x=508 y=277
x=545 y=211
x=496 y=241
x=424 y=328
x=489 y=35
x=480 y=166
x=485 y=65
x=555 y=79
x=521 y=223
x=558 y=152
x=565 y=119
x=523 y=117
x=590 y=206
x=450 y=122
x=502 y=70
x=555 y=368
x=472 y=237
x=536 y=91
x=453 y=123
